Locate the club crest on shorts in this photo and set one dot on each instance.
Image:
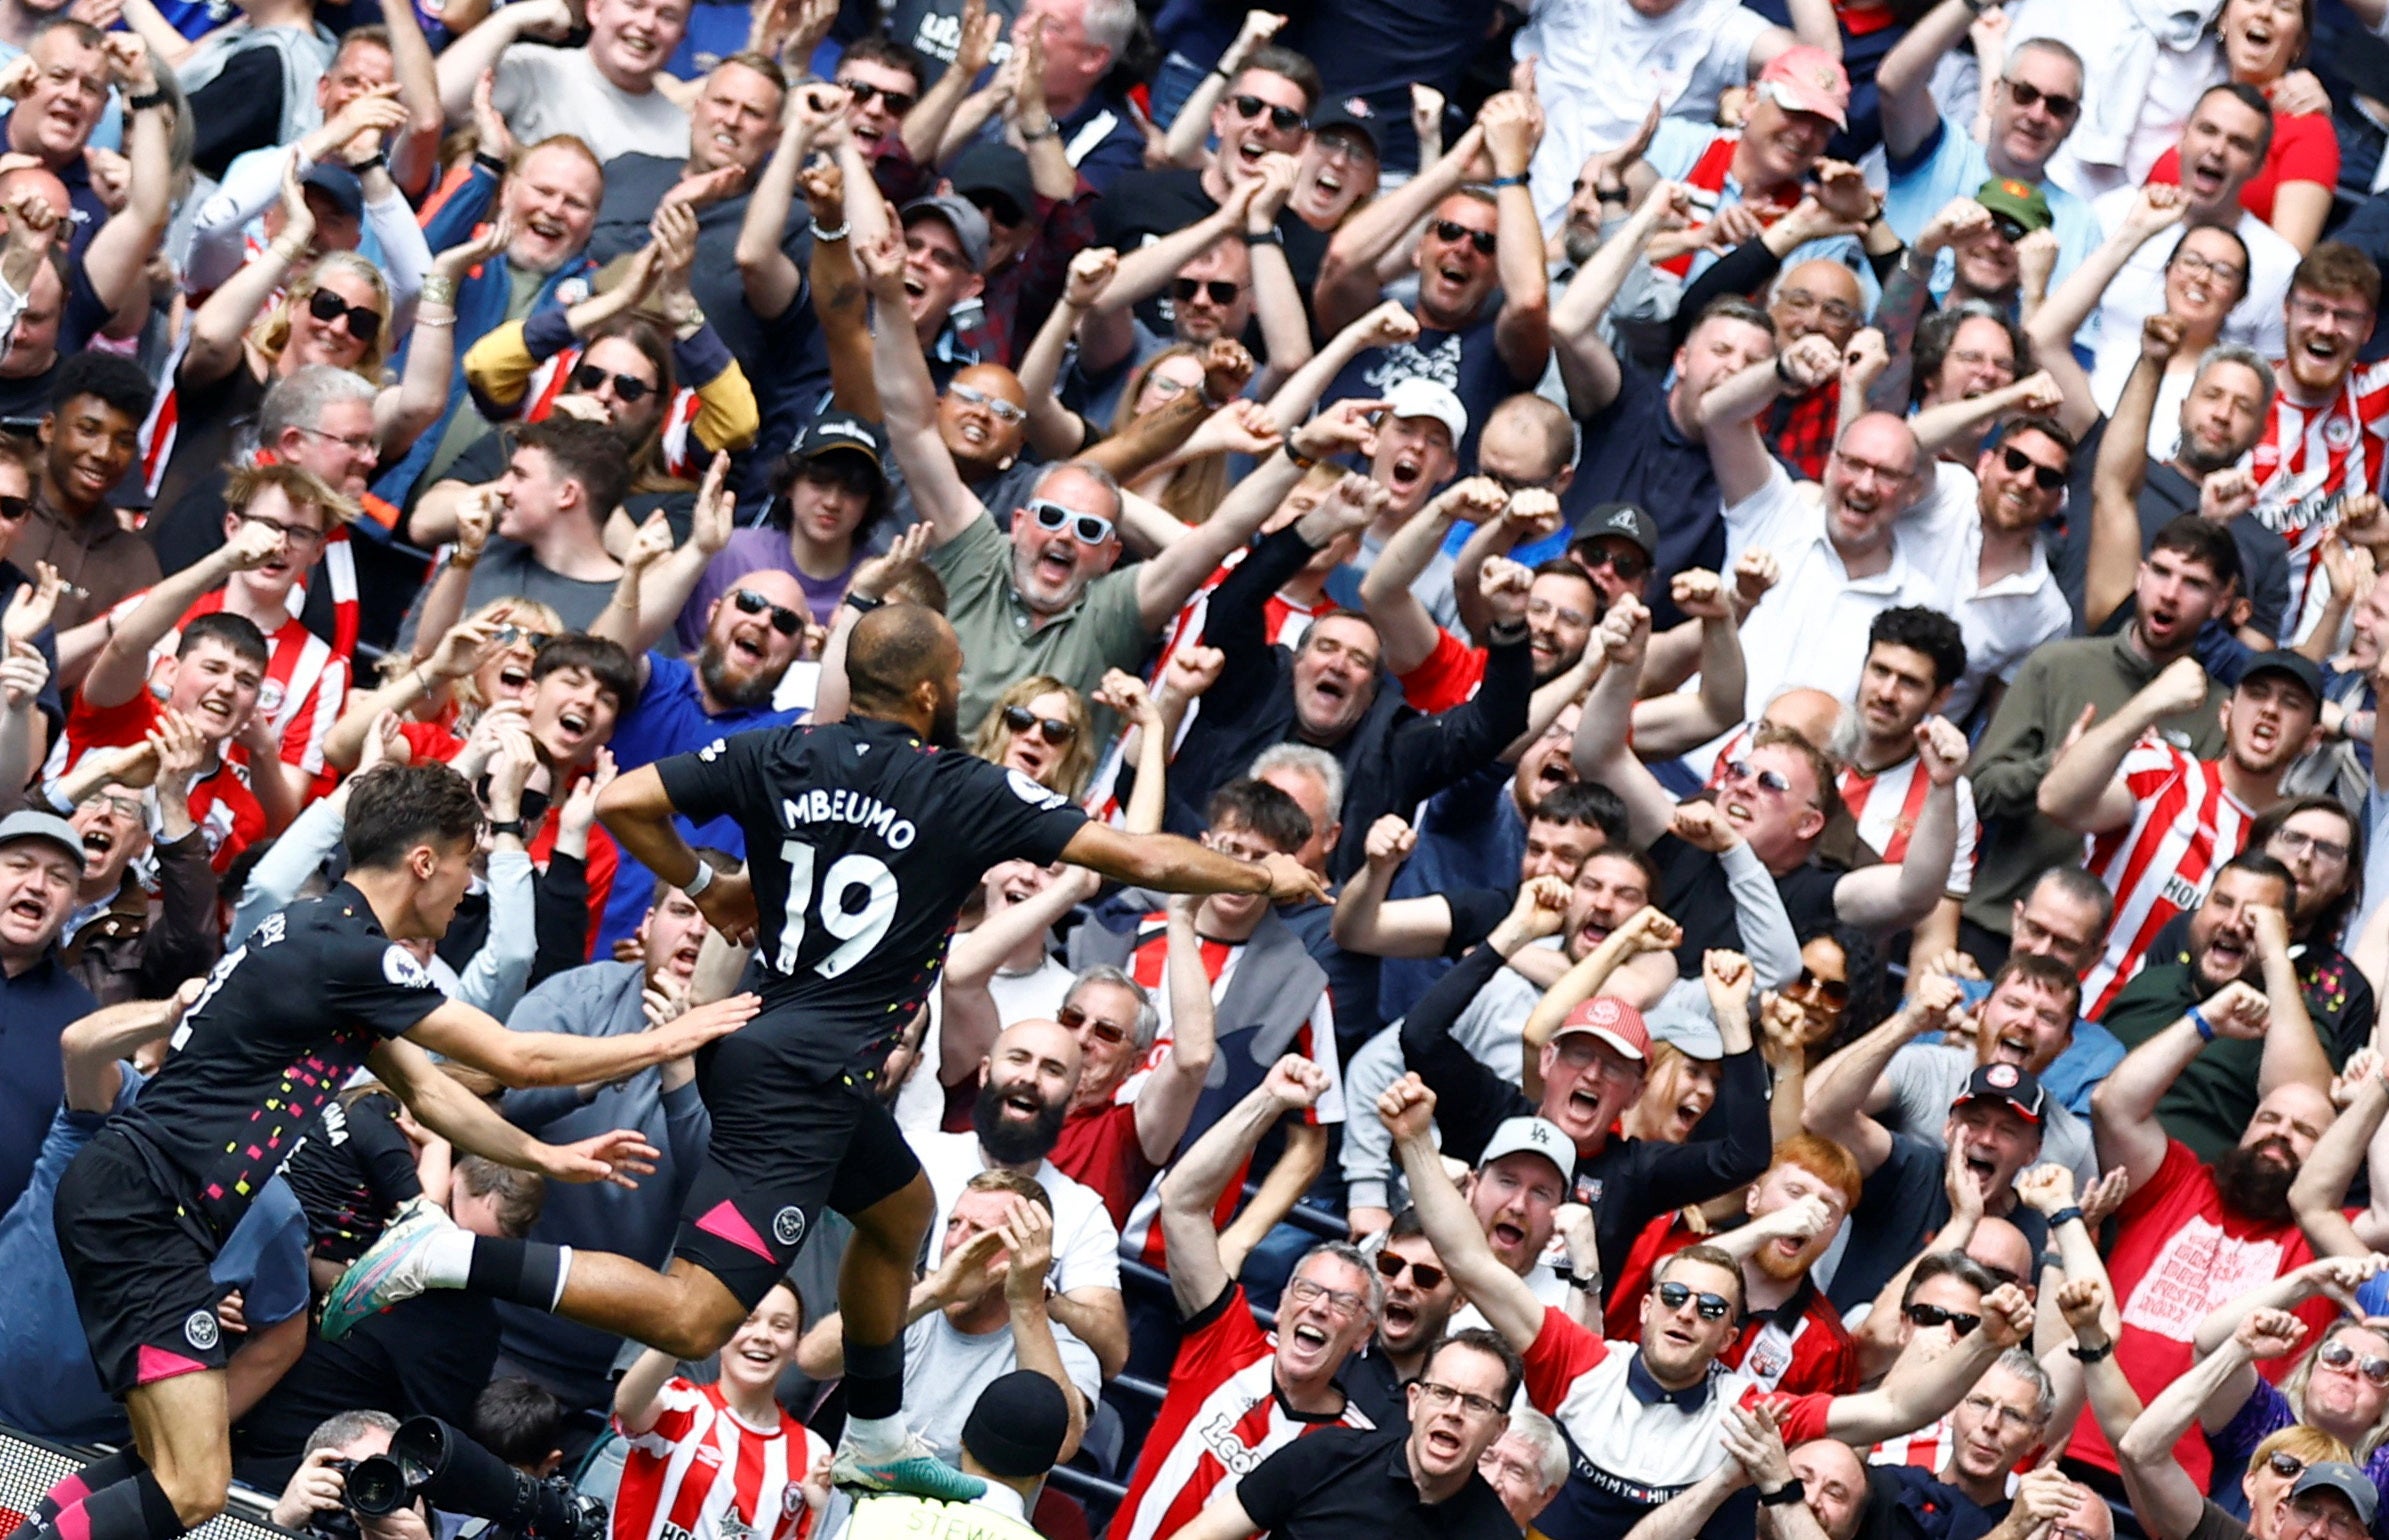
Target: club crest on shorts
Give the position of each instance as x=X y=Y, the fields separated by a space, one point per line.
x=200 y=1329
x=788 y=1225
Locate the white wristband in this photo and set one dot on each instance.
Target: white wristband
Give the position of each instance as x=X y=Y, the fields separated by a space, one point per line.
x=699 y=883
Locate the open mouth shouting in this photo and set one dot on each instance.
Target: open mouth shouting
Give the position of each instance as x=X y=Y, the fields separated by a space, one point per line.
x=26 y=913
x=1685 y=1117
x=1406 y=474
x=2205 y=177
x=1982 y=1168
x=2012 y=1047
x=98 y=843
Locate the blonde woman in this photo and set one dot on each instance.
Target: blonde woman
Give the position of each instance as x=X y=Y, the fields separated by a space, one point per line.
x=1041 y=728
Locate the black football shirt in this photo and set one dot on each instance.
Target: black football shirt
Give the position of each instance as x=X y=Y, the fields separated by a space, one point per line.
x=862 y=844
x=285 y=1020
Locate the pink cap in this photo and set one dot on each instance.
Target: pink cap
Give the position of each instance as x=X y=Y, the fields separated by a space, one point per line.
x=1614 y=1022
x=1809 y=80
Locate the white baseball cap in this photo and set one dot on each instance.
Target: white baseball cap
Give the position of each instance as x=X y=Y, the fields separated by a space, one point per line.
x=1536 y=1136
x=1418 y=396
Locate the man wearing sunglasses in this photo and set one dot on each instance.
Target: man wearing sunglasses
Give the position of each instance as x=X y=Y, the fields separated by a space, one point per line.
x=2034 y=105
x=1420 y=1299
x=1627 y=1408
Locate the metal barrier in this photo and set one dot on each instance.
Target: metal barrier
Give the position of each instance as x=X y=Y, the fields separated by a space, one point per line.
x=29 y=1467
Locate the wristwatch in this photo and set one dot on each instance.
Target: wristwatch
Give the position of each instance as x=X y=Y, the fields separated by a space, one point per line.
x=2090 y=1355
x=1784 y=1496
x=513 y=826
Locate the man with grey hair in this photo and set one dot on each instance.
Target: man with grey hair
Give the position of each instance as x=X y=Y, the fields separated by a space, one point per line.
x=1084 y=41
x=1527 y=1465
x=1992 y=1428
x=1117 y=1136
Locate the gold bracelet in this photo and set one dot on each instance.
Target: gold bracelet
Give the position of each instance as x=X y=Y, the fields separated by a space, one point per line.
x=439 y=289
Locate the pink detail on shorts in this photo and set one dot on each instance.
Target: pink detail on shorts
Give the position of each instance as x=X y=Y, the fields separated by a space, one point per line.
x=73 y=1523
x=158 y=1364
x=732 y=1226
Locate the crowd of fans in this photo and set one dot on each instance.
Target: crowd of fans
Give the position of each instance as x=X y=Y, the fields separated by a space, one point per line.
x=1808 y=573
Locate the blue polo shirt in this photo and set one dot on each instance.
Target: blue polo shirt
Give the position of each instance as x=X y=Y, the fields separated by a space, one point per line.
x=35 y=1006
x=669 y=718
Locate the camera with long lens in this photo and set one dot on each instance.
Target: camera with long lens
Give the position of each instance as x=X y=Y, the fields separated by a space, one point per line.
x=434 y=1461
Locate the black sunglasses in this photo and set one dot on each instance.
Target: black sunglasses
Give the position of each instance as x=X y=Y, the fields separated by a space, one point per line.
x=364 y=322
x=1220 y=290
x=2286 y=1465
x=1426 y=1275
x=1284 y=119
x=628 y=388
x=1628 y=565
x=15 y=510
x=1073 y=1017
x=1834 y=992
x=783 y=619
x=2010 y=228
x=1054 y=730
x=1451 y=230
x=2063 y=107
x=1712 y=1307
x=2047 y=477
x=898 y=102
x=1933 y=1315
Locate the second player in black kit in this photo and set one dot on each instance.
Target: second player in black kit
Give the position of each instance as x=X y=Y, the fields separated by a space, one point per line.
x=862 y=845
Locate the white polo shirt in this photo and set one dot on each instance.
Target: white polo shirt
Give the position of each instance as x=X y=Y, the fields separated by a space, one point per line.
x=1086 y=1244
x=2003 y=620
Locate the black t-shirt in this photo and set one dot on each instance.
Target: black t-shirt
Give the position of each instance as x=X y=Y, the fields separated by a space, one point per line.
x=1903 y=1205
x=352 y=1175
x=862 y=843
x=285 y=1020
x=30 y=396
x=1468 y=362
x=1635 y=453
x=1340 y=1482
x=1694 y=893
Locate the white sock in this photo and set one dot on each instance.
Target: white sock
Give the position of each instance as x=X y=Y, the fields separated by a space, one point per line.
x=876 y=1437
x=448 y=1259
x=563 y=1272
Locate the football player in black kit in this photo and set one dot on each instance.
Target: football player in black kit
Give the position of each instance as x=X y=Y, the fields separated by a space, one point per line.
x=863 y=839
x=320 y=989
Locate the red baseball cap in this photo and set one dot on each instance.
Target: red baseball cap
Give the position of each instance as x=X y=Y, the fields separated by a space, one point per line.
x=1614 y=1022
x=1809 y=80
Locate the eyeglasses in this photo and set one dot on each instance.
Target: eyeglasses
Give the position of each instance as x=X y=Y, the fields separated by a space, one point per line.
x=1930 y=1316
x=296 y=534
x=1391 y=1265
x=1219 y=291
x=1766 y=780
x=2062 y=108
x=364 y=322
x=1073 y=1017
x=1090 y=528
x=1578 y=1051
x=1628 y=565
x=2214 y=267
x=1451 y=232
x=354 y=443
x=783 y=619
x=2338 y=1355
x=1054 y=730
x=1839 y=312
x=1000 y=409
x=898 y=102
x=1339 y=1301
x=2285 y=1465
x=1834 y=992
x=1712 y=1307
x=114 y=803
x=2312 y=309
x=1544 y=609
x=507 y=636
x=15 y=510
x=1284 y=119
x=2297 y=842
x=628 y=388
x=2047 y=477
x=1444 y=1395
x=2324 y=1517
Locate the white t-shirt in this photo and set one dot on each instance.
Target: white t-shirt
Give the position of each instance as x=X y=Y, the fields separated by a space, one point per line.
x=1086 y=1244
x=1603 y=63
x=545 y=91
x=2138 y=292
x=2002 y=621
x=945 y=1370
x=2113 y=367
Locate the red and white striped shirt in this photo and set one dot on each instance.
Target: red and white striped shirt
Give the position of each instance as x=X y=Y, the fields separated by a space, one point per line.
x=1928 y=1448
x=1219 y=1418
x=703 y=1473
x=305 y=686
x=2184 y=825
x=1887 y=804
x=2307 y=462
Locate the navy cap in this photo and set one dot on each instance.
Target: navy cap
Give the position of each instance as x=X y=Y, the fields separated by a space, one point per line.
x=2004 y=1082
x=991 y=166
x=1354 y=113
x=2346 y=1480
x=833 y=432
x=339 y=184
x=2283 y=661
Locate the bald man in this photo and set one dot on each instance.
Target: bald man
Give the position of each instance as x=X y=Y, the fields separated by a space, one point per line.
x=864 y=838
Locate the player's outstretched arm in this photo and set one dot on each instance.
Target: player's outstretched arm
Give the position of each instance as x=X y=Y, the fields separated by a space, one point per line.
x=470 y=1036
x=1170 y=863
x=474 y=1127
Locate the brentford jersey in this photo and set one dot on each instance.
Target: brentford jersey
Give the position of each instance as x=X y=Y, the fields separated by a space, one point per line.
x=1246 y=1063
x=2184 y=825
x=1219 y=1417
x=1887 y=804
x=1928 y=1448
x=305 y=687
x=2311 y=459
x=704 y=1473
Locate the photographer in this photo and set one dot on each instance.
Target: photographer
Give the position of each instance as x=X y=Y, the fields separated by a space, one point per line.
x=316 y=1500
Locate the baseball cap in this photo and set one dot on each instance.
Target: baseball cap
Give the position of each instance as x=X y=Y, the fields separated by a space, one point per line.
x=30 y=824
x=1692 y=1033
x=339 y=184
x=970 y=226
x=1354 y=113
x=1624 y=520
x=840 y=433
x=1018 y=1425
x=1417 y=396
x=1809 y=80
x=2020 y=202
x=1614 y=1022
x=2283 y=661
x=990 y=166
x=1535 y=1136
x=2343 y=1478
x=2019 y=1088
